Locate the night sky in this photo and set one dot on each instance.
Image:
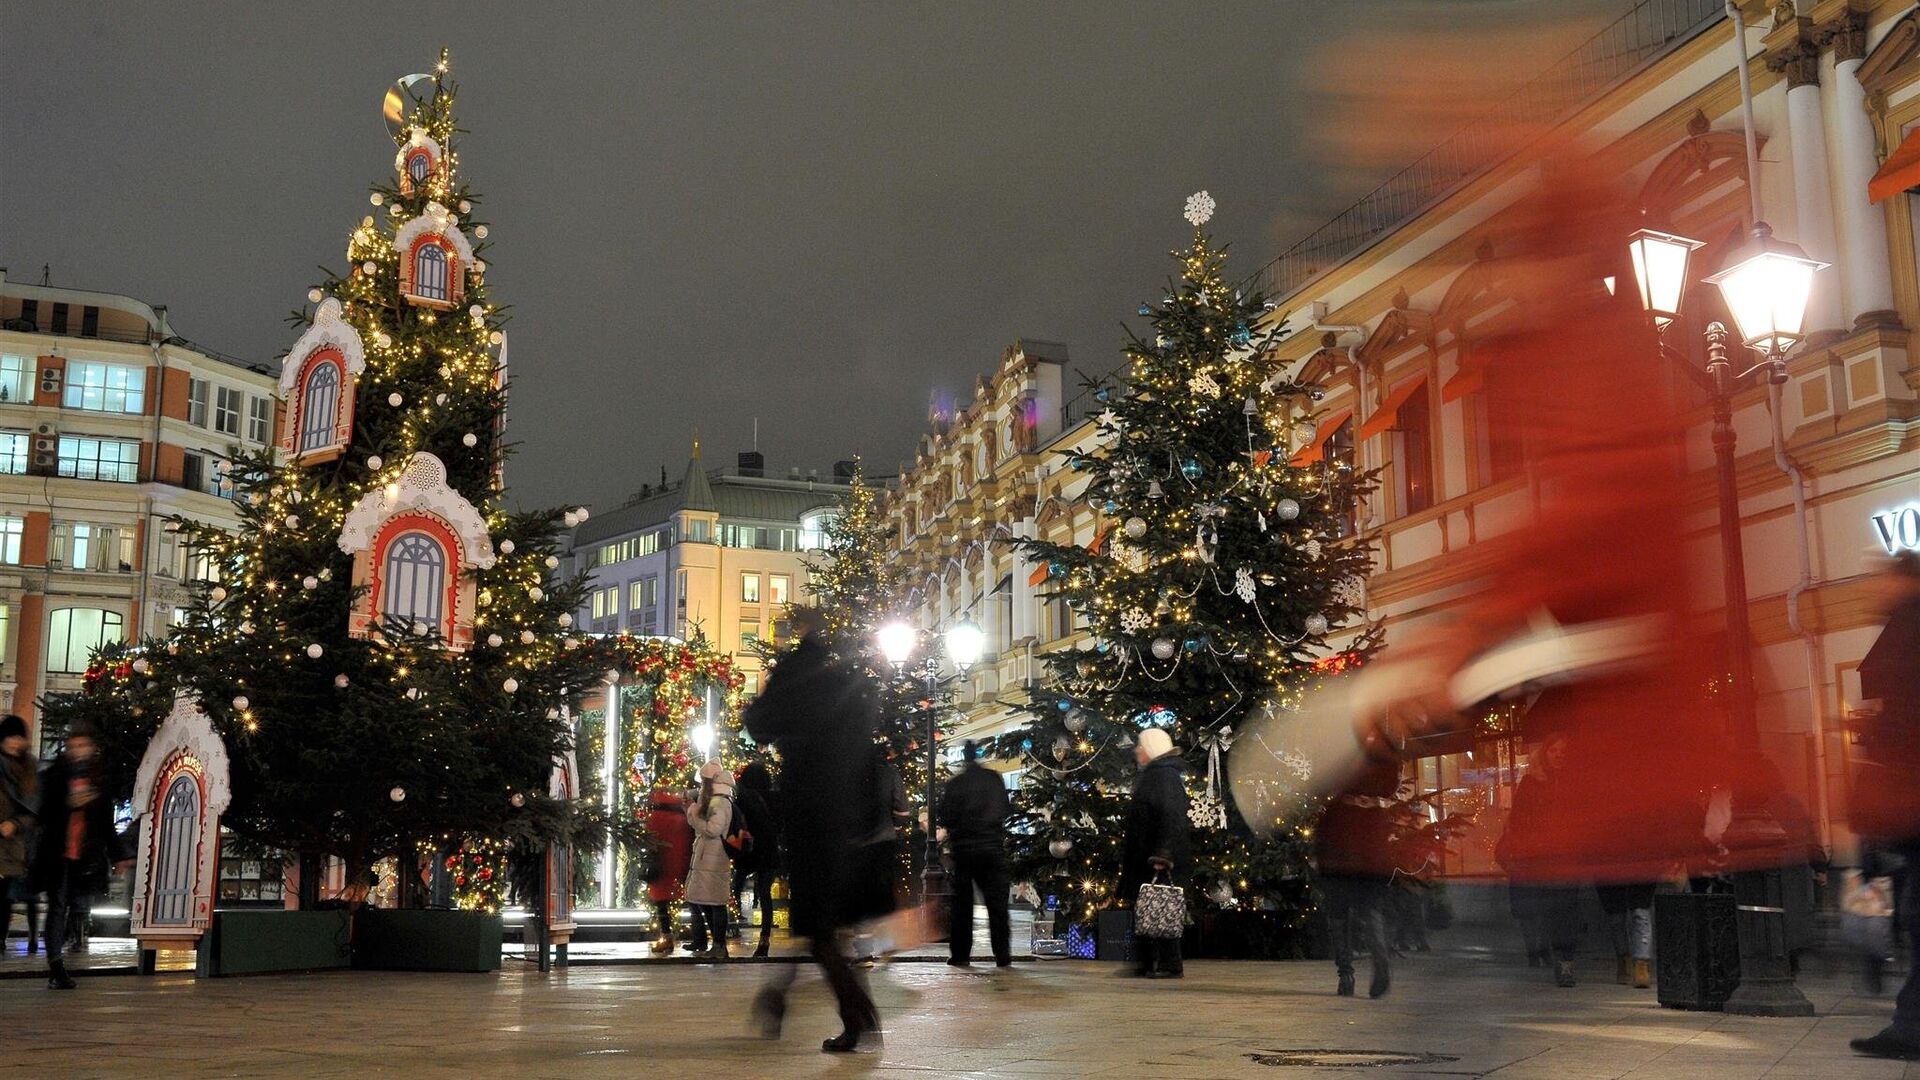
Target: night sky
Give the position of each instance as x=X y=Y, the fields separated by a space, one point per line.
x=818 y=215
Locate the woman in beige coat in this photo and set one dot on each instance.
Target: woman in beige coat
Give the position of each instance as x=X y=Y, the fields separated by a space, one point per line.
x=710 y=871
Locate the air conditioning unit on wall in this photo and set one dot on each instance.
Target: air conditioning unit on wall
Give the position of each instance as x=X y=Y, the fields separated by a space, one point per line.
x=50 y=380
x=46 y=449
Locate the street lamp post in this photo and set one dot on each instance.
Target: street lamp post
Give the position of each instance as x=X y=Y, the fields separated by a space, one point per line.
x=964 y=642
x=1766 y=284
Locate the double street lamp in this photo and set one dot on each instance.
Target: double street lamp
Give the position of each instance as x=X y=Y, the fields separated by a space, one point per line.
x=1766 y=285
x=964 y=643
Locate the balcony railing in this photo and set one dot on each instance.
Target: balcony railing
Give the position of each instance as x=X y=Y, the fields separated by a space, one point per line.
x=1646 y=32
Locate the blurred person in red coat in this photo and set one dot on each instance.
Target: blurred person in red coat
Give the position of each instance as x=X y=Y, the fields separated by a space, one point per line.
x=673 y=853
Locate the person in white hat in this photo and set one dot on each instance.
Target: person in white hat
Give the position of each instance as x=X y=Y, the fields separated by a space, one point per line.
x=1158 y=844
x=710 y=871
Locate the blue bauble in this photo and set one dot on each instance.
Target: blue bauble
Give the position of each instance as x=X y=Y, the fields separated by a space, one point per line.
x=1064 y=704
x=1102 y=647
x=1112 y=506
x=1191 y=644
x=1055 y=570
x=1191 y=469
x=1146 y=308
x=1242 y=336
x=1100 y=394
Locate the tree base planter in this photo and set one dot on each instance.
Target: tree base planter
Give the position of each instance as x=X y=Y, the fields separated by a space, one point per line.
x=262 y=942
x=413 y=940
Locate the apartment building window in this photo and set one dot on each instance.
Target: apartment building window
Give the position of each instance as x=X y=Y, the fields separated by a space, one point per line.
x=118 y=388
x=226 y=410
x=16 y=378
x=203 y=472
x=90 y=321
x=30 y=313
x=167 y=553
x=1502 y=448
x=749 y=634
x=197 y=402
x=13 y=451
x=699 y=531
x=813 y=531
x=750 y=683
x=749 y=588
x=1413 y=459
x=73 y=634
x=13 y=531
x=782 y=631
x=680 y=603
x=60 y=313
x=86 y=545
x=259 y=419
x=86 y=458
x=779 y=589
x=643 y=605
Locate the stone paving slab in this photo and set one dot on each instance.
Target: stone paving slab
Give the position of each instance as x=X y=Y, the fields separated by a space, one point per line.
x=1448 y=1016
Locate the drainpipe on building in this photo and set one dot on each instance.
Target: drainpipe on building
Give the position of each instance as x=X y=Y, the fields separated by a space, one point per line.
x=149 y=542
x=1815 y=699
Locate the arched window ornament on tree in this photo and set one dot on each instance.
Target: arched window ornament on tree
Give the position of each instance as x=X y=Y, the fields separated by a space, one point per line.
x=420 y=163
x=317 y=384
x=434 y=259
x=182 y=787
x=415 y=543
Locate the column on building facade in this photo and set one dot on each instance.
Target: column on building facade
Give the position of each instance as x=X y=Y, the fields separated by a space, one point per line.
x=1024 y=627
x=1866 y=272
x=1812 y=194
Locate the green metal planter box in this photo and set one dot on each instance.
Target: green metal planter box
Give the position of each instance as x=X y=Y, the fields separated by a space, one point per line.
x=415 y=940
x=258 y=942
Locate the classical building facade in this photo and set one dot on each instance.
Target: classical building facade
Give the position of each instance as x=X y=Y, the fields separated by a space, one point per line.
x=719 y=554
x=1387 y=303
x=110 y=425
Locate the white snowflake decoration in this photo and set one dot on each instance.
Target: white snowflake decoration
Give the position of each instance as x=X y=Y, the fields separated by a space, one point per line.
x=1312 y=548
x=1351 y=592
x=1207 y=812
x=1199 y=208
x=1203 y=386
x=1299 y=764
x=1134 y=620
x=1243 y=586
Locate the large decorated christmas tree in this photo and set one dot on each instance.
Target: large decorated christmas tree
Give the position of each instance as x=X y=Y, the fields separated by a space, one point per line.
x=380 y=643
x=1220 y=570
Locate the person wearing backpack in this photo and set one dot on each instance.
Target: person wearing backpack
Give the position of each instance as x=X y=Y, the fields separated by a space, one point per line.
x=710 y=871
x=755 y=845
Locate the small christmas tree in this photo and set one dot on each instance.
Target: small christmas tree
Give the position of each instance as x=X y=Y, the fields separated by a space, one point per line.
x=1219 y=571
x=379 y=643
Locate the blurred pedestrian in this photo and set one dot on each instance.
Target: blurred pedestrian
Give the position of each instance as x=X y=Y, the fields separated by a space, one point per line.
x=1549 y=908
x=821 y=714
x=1158 y=845
x=672 y=853
x=1407 y=884
x=1354 y=860
x=1888 y=783
x=75 y=849
x=710 y=871
x=974 y=814
x=19 y=807
x=1629 y=910
x=758 y=860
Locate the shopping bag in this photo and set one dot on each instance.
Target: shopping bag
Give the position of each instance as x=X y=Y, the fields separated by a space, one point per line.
x=1160 y=911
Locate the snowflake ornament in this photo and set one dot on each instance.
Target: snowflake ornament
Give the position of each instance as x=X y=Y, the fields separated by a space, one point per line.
x=1243 y=585
x=1134 y=620
x=1207 y=812
x=1203 y=385
x=1299 y=764
x=1312 y=548
x=1351 y=592
x=1199 y=208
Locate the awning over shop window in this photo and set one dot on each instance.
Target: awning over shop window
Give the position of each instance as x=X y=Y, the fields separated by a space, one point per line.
x=1902 y=170
x=1313 y=451
x=1388 y=414
x=1469 y=379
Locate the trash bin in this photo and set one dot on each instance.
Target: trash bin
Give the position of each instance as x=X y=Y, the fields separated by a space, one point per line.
x=1696 y=949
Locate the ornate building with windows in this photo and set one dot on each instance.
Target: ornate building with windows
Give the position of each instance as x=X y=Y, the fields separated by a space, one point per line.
x=110 y=424
x=718 y=554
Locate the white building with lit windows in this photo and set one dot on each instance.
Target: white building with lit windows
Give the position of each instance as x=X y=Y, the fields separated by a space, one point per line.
x=720 y=555
x=110 y=424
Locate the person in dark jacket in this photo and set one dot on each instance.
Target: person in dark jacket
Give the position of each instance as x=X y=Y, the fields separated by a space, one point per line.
x=760 y=859
x=76 y=843
x=19 y=808
x=974 y=813
x=1158 y=841
x=1890 y=674
x=1550 y=907
x=1353 y=852
x=820 y=714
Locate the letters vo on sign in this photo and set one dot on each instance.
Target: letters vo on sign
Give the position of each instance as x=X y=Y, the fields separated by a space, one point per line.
x=1898 y=529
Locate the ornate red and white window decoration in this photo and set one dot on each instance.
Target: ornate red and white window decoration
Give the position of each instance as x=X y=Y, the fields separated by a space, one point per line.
x=317 y=383
x=415 y=544
x=181 y=789
x=420 y=162
x=434 y=258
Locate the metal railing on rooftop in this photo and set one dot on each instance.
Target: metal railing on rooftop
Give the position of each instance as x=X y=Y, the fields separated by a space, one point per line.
x=1649 y=30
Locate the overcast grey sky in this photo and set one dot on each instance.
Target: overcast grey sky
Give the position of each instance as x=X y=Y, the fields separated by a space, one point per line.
x=814 y=214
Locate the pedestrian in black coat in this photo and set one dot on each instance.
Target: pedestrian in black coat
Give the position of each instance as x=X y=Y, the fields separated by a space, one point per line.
x=761 y=861
x=1159 y=843
x=1352 y=851
x=974 y=813
x=820 y=715
x=76 y=848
